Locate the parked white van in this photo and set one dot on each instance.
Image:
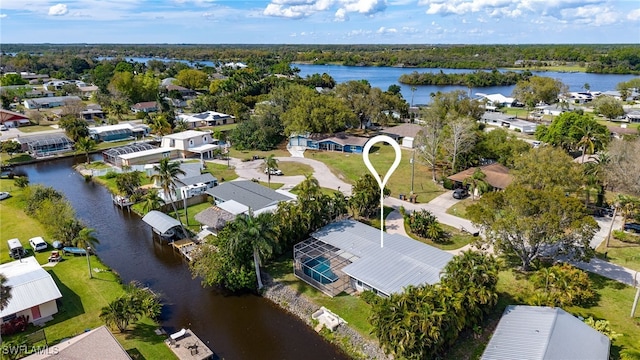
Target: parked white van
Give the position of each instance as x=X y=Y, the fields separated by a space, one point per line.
x=16 y=250
x=38 y=244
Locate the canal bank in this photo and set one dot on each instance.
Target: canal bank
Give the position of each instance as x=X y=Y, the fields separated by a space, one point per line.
x=235 y=326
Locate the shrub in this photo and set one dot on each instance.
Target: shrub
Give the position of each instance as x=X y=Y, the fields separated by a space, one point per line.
x=110 y=174
x=369 y=297
x=561 y=285
x=423 y=223
x=21 y=181
x=625 y=237
x=447 y=184
x=602 y=326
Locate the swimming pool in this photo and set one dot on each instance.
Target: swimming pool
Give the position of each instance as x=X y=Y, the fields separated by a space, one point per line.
x=319 y=269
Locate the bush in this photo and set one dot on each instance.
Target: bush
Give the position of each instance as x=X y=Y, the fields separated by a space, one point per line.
x=561 y=285
x=110 y=174
x=447 y=184
x=602 y=326
x=625 y=237
x=424 y=224
x=369 y=297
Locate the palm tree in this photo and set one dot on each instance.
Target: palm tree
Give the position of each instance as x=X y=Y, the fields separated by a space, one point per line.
x=257 y=231
x=5 y=292
x=591 y=138
x=165 y=174
x=152 y=200
x=86 y=145
x=271 y=163
x=477 y=182
x=121 y=312
x=86 y=240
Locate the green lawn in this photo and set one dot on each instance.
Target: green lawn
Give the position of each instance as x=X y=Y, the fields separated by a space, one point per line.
x=460 y=208
x=273 y=185
x=457 y=240
x=82 y=298
x=222 y=128
x=323 y=190
x=247 y=154
x=35 y=128
x=350 y=167
x=293 y=168
x=375 y=221
x=221 y=172
x=621 y=253
x=351 y=308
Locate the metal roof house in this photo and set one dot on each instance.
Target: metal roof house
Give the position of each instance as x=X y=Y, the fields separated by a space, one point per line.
x=249 y=194
x=347 y=256
x=45 y=144
x=49 y=102
x=509 y=122
x=544 y=333
x=33 y=291
x=98 y=342
x=207 y=118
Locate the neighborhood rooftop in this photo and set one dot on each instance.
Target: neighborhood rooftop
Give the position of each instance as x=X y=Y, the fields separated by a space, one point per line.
x=544 y=333
x=389 y=269
x=248 y=193
x=160 y=221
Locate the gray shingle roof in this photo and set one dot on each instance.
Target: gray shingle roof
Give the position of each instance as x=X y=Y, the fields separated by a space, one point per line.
x=400 y=263
x=97 y=343
x=248 y=193
x=202 y=178
x=544 y=333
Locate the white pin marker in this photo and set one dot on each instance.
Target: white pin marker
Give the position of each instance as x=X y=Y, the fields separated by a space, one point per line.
x=383 y=182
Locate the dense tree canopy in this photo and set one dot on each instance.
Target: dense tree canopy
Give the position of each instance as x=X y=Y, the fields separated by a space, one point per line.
x=623 y=167
x=573 y=131
x=548 y=168
x=528 y=224
x=538 y=89
x=608 y=107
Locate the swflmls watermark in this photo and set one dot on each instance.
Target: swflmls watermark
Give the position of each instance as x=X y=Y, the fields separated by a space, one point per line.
x=29 y=350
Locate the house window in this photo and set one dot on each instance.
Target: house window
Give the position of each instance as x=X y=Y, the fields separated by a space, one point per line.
x=9 y=318
x=204 y=139
x=172 y=143
x=190 y=142
x=165 y=154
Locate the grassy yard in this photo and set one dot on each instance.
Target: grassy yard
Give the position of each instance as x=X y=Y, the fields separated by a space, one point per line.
x=221 y=172
x=621 y=253
x=293 y=168
x=35 y=128
x=460 y=208
x=351 y=308
x=221 y=128
x=457 y=240
x=82 y=298
x=350 y=167
x=247 y=154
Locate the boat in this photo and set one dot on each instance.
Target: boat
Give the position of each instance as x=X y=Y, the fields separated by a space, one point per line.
x=74 y=250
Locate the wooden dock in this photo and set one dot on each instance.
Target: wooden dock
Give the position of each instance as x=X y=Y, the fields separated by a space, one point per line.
x=185 y=247
x=189 y=347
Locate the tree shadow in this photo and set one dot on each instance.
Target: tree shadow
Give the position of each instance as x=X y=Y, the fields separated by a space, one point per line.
x=69 y=306
x=135 y=354
x=145 y=333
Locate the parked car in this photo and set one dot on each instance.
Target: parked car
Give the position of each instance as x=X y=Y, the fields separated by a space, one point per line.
x=632 y=227
x=277 y=172
x=3 y=128
x=38 y=244
x=4 y=195
x=460 y=193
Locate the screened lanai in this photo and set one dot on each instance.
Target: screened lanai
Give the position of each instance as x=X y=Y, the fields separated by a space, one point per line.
x=320 y=265
x=45 y=145
x=112 y=156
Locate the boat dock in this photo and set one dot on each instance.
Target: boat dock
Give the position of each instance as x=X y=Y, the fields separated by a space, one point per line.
x=187 y=346
x=122 y=201
x=185 y=247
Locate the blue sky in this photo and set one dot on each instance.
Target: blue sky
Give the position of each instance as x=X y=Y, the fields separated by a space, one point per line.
x=320 y=21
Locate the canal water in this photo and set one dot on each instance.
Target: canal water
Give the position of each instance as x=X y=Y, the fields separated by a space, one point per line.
x=234 y=326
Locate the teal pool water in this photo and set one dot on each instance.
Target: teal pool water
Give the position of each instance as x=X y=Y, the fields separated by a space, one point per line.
x=319 y=269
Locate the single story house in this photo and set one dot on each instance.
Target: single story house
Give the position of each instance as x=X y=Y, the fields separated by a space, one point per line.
x=13 y=119
x=191 y=142
x=404 y=134
x=85 y=346
x=119 y=132
x=207 y=118
x=619 y=132
x=49 y=102
x=147 y=107
x=35 y=93
x=577 y=97
x=498 y=99
x=33 y=291
x=497 y=175
x=112 y=156
x=147 y=156
x=246 y=195
x=544 y=333
x=88 y=90
x=347 y=256
x=633 y=116
x=45 y=144
x=55 y=85
x=338 y=142
x=184 y=92
x=509 y=122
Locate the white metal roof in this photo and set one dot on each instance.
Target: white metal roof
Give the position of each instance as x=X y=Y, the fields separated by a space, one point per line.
x=160 y=221
x=233 y=207
x=544 y=333
x=101 y=129
x=142 y=153
x=400 y=263
x=31 y=285
x=184 y=135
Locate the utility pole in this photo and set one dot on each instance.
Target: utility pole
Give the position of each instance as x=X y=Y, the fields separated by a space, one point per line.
x=413 y=165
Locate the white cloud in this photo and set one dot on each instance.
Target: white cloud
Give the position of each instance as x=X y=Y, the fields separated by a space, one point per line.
x=341 y=15
x=58 y=10
x=634 y=15
x=2 y=16
x=384 y=30
x=367 y=7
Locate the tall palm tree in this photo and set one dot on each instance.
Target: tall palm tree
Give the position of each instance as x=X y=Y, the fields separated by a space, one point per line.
x=270 y=163
x=86 y=145
x=152 y=200
x=86 y=240
x=257 y=231
x=477 y=182
x=592 y=138
x=166 y=174
x=5 y=292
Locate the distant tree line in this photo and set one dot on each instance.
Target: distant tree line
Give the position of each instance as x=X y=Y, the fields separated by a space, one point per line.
x=475 y=79
x=599 y=58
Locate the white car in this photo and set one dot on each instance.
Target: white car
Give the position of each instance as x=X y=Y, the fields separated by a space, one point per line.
x=4 y=195
x=3 y=128
x=276 y=172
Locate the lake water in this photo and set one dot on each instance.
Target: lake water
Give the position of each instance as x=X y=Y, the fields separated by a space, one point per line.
x=234 y=326
x=383 y=77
